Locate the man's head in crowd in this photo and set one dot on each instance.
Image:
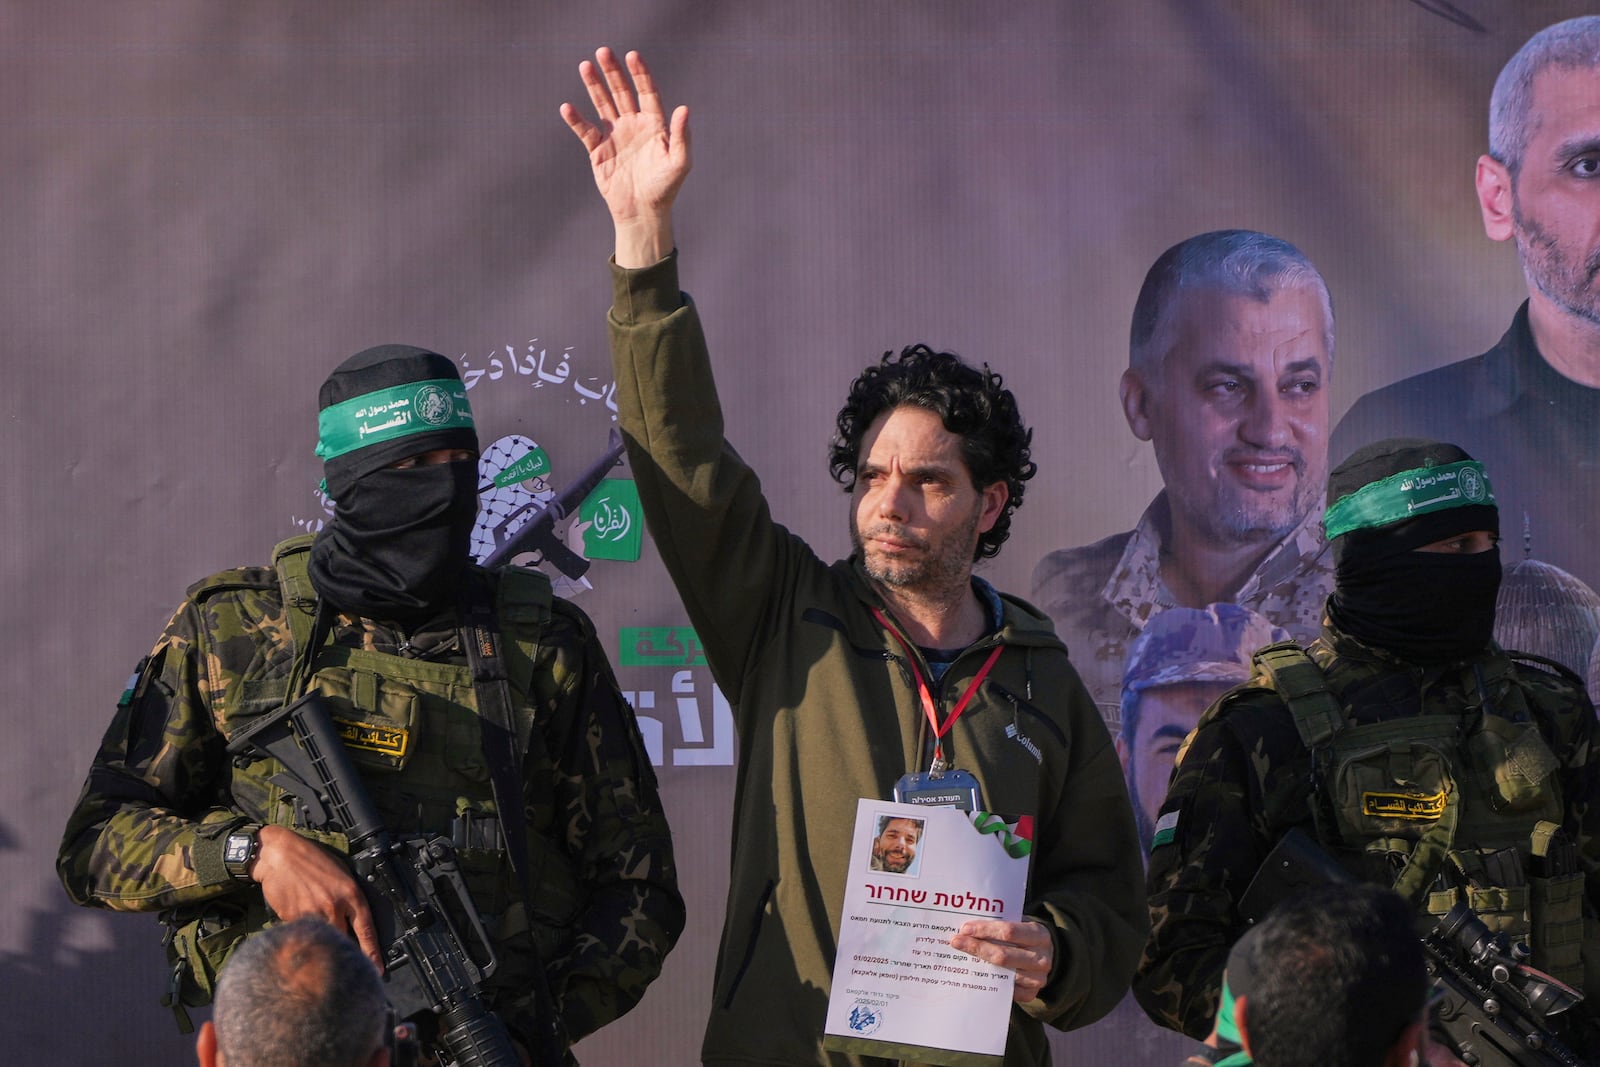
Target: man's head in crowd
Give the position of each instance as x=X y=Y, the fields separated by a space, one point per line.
x=300 y=994
x=1230 y=353
x=1539 y=186
x=934 y=455
x=1332 y=978
x=1183 y=660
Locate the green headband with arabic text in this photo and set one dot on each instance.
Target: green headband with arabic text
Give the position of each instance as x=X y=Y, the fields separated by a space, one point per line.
x=398 y=411
x=1409 y=494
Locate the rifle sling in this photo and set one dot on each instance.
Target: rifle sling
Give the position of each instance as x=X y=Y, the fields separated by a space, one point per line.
x=481 y=639
x=305 y=653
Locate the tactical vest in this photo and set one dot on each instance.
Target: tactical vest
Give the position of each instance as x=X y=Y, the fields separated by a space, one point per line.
x=1445 y=807
x=412 y=727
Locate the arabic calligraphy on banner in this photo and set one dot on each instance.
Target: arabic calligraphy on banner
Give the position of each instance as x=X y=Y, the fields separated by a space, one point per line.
x=535 y=364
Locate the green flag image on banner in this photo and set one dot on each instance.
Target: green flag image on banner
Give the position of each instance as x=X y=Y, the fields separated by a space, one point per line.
x=616 y=523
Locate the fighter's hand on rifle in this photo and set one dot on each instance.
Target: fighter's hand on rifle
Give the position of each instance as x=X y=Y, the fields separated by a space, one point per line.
x=299 y=877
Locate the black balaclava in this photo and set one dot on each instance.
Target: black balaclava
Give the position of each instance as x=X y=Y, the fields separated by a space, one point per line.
x=1424 y=607
x=399 y=539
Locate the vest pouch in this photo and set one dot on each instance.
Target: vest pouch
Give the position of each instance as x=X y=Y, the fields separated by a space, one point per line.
x=1493 y=883
x=1515 y=758
x=379 y=719
x=480 y=856
x=463 y=748
x=200 y=938
x=1389 y=789
x=250 y=786
x=1556 y=887
x=1557 y=934
x=1503 y=909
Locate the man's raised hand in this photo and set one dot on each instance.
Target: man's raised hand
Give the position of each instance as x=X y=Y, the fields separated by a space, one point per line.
x=639 y=156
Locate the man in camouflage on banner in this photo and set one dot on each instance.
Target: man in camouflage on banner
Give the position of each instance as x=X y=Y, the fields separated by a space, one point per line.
x=1403 y=739
x=379 y=613
x=1229 y=359
x=1183 y=660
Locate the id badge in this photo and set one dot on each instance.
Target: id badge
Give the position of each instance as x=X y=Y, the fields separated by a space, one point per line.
x=953 y=788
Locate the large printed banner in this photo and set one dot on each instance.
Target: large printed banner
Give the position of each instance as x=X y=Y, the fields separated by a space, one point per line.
x=204 y=207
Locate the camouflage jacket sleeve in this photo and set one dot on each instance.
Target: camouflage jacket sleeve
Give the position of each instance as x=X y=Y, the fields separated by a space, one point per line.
x=610 y=816
x=1212 y=836
x=147 y=830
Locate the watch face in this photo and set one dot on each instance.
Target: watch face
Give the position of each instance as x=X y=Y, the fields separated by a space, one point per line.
x=236 y=849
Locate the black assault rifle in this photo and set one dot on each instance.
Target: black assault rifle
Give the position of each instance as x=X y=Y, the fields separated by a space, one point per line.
x=538 y=535
x=436 y=953
x=1495 y=1009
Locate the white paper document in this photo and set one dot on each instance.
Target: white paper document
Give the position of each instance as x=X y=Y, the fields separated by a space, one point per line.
x=916 y=874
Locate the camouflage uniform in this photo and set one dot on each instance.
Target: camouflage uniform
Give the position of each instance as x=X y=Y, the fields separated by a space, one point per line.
x=1182 y=661
x=1244 y=779
x=162 y=793
x=1101 y=595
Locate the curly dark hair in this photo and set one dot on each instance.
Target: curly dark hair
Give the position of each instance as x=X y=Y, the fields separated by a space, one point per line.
x=972 y=403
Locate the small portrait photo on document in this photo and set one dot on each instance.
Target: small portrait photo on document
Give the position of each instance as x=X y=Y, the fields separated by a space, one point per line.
x=897 y=846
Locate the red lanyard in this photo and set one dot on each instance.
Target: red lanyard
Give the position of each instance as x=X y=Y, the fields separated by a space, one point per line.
x=939 y=765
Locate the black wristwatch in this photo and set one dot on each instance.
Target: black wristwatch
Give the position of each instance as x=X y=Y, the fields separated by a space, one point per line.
x=239 y=851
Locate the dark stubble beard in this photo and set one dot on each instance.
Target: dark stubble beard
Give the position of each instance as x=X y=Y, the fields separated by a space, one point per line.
x=1241 y=521
x=1570 y=286
x=948 y=565
x=898 y=864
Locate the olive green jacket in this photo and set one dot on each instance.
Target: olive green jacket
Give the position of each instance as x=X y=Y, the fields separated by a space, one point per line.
x=826 y=713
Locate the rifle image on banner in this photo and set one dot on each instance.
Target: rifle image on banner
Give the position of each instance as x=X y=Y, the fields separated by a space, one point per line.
x=538 y=535
x=1495 y=1009
x=436 y=953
